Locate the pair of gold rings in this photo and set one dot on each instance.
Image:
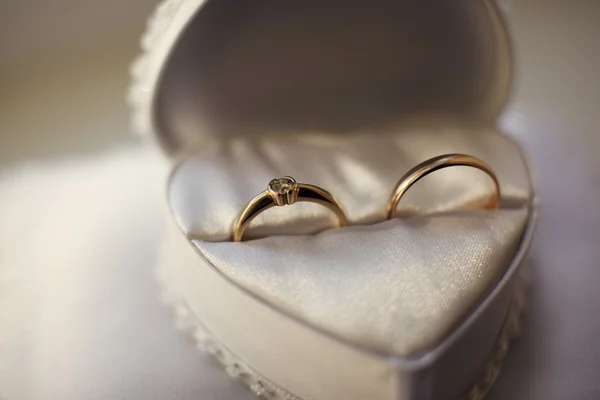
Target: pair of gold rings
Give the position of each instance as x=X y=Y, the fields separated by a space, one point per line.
x=286 y=191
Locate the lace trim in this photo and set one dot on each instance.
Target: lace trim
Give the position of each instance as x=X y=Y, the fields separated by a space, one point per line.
x=235 y=367
x=510 y=331
x=188 y=323
x=138 y=96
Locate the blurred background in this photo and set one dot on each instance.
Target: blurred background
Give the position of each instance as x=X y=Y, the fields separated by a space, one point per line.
x=64 y=69
x=64 y=74
x=63 y=78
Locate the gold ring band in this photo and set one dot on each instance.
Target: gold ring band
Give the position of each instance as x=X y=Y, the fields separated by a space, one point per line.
x=434 y=164
x=281 y=192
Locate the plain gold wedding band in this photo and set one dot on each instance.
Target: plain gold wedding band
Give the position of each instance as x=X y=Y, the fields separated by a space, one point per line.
x=281 y=192
x=434 y=164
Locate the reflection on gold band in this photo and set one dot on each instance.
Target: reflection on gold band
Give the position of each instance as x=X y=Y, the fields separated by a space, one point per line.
x=434 y=164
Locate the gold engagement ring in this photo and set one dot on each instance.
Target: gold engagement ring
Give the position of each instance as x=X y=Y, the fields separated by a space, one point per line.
x=281 y=192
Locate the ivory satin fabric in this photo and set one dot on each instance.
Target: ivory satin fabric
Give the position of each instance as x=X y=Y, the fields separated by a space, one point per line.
x=395 y=286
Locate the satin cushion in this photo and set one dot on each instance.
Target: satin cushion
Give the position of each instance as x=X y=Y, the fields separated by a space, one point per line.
x=395 y=286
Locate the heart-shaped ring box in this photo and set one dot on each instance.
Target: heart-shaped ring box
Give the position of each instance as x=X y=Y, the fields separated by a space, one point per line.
x=346 y=96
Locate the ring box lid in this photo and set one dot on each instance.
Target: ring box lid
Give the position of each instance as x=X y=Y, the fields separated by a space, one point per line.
x=242 y=68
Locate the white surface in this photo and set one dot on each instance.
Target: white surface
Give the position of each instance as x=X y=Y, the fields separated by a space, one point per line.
x=71 y=327
x=81 y=317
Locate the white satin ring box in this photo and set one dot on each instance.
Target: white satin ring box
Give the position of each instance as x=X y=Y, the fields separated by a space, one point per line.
x=347 y=96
